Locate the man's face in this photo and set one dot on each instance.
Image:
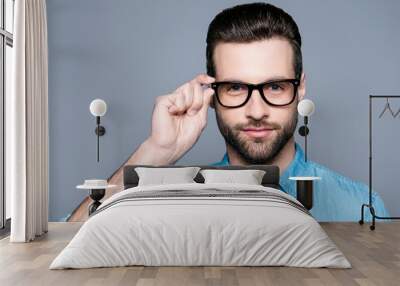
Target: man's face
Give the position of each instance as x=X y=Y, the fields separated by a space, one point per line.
x=257 y=131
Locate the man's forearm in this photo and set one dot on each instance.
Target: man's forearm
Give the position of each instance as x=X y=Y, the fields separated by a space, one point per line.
x=150 y=154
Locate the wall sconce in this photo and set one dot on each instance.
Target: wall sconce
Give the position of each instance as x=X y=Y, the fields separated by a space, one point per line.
x=305 y=108
x=98 y=108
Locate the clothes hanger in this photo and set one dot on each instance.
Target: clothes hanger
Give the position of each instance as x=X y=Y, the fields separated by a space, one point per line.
x=387 y=107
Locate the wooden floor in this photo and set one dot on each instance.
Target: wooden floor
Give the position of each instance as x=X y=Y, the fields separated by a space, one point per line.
x=374 y=255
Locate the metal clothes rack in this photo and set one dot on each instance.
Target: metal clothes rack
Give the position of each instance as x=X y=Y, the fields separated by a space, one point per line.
x=369 y=205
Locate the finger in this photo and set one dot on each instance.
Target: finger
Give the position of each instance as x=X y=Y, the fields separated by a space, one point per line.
x=170 y=102
x=167 y=100
x=178 y=104
x=182 y=87
x=208 y=95
x=197 y=99
x=204 y=79
x=201 y=78
x=188 y=96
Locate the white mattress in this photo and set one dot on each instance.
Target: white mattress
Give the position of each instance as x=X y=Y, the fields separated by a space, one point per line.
x=190 y=230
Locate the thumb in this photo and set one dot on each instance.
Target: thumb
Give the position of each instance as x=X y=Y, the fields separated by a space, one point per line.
x=208 y=95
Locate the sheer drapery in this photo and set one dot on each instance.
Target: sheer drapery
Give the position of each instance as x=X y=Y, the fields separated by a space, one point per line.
x=27 y=122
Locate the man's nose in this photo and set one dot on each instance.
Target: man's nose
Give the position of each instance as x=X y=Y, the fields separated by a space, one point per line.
x=256 y=107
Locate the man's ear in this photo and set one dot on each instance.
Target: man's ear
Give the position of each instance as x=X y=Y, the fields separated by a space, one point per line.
x=301 y=90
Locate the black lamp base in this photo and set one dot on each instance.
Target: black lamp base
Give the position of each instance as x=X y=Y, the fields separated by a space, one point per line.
x=304 y=189
x=96 y=195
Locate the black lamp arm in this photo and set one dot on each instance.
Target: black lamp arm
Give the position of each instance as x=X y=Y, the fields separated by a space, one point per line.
x=303 y=131
x=100 y=131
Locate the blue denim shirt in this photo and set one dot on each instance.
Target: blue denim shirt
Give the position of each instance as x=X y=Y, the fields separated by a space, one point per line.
x=336 y=197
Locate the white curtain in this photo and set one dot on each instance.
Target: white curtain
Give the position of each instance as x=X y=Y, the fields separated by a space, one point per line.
x=27 y=123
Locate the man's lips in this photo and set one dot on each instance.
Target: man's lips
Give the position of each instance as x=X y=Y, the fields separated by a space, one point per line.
x=258 y=132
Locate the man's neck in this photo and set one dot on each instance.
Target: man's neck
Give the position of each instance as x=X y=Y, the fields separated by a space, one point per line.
x=282 y=159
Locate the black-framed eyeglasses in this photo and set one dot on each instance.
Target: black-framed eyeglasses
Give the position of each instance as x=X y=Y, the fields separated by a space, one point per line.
x=236 y=94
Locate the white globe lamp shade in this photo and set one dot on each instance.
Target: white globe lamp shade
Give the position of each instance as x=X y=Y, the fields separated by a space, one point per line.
x=306 y=107
x=98 y=107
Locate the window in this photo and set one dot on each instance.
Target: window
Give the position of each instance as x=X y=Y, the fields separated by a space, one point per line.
x=6 y=60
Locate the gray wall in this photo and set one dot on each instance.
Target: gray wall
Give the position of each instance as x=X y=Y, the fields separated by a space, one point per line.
x=129 y=52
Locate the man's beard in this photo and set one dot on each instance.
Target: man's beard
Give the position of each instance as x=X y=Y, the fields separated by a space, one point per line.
x=258 y=150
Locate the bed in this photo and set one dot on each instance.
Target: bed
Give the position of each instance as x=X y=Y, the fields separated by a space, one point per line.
x=201 y=224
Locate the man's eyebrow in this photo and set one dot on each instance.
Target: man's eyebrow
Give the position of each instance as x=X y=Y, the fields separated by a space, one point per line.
x=268 y=79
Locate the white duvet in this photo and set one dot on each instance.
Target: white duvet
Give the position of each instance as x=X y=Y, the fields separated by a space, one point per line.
x=183 y=231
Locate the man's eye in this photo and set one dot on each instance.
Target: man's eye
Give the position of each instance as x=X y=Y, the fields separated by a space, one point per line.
x=275 y=87
x=235 y=87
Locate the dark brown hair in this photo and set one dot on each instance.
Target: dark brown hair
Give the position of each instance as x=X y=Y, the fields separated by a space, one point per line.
x=253 y=22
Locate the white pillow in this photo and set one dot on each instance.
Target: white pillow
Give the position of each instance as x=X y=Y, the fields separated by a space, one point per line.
x=161 y=176
x=250 y=177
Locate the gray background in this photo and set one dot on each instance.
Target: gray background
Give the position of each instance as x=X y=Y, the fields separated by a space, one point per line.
x=129 y=52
